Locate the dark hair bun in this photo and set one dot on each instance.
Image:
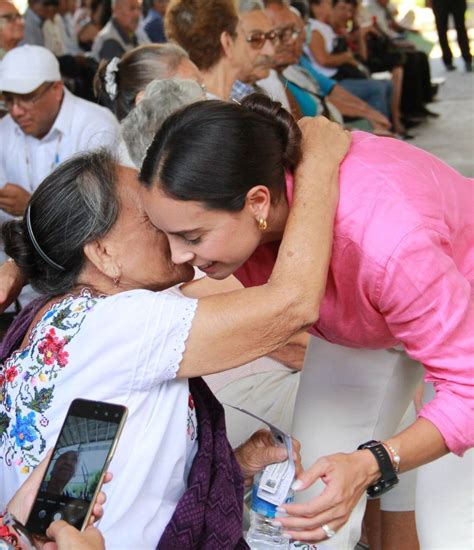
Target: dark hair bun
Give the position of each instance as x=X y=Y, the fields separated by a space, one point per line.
x=18 y=247
x=288 y=129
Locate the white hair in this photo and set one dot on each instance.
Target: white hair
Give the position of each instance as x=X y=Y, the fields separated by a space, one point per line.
x=246 y=6
x=161 y=99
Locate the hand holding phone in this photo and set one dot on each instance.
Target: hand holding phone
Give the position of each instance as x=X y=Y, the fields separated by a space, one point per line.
x=78 y=465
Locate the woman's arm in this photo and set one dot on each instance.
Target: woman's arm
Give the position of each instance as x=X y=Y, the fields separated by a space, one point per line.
x=347 y=477
x=234 y=328
x=291 y=354
x=428 y=304
x=325 y=58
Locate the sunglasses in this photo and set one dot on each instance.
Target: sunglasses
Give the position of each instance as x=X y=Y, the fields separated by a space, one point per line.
x=258 y=38
x=288 y=34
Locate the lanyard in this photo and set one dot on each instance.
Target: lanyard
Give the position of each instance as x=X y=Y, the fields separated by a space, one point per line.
x=55 y=162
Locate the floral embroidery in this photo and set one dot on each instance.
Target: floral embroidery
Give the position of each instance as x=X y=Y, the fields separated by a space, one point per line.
x=10 y=374
x=52 y=349
x=28 y=380
x=24 y=431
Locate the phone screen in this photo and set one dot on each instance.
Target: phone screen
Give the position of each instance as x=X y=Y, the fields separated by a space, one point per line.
x=77 y=465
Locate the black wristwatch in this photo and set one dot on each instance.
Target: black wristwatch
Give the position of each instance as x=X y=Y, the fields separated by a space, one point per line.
x=389 y=478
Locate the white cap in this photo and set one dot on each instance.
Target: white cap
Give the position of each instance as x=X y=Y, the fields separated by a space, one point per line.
x=24 y=69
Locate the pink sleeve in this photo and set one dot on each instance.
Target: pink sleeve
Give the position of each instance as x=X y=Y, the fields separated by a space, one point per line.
x=428 y=305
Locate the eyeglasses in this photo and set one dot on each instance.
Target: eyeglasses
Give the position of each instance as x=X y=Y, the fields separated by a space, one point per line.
x=11 y=17
x=258 y=38
x=288 y=34
x=26 y=101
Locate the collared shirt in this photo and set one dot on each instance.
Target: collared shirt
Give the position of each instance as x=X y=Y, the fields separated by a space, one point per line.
x=79 y=126
x=33 y=29
x=402 y=271
x=153 y=26
x=240 y=90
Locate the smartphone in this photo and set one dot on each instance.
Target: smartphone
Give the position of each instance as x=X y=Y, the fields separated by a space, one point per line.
x=77 y=467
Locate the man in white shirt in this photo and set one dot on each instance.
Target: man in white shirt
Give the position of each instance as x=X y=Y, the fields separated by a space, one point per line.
x=46 y=124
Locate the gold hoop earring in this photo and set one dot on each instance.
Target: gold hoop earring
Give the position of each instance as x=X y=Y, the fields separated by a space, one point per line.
x=262 y=224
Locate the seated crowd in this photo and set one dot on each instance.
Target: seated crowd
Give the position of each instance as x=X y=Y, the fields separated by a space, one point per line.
x=115 y=115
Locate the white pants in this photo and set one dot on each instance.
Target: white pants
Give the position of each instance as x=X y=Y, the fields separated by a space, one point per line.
x=445 y=500
x=347 y=397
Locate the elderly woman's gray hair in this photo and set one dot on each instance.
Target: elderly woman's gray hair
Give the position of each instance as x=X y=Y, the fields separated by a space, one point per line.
x=160 y=100
x=76 y=204
x=246 y=6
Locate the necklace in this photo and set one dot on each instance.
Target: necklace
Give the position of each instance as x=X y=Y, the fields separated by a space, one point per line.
x=55 y=162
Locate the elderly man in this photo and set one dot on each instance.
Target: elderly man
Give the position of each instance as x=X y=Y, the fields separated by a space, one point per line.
x=46 y=124
x=258 y=29
x=121 y=32
x=314 y=92
x=12 y=27
x=217 y=42
x=153 y=24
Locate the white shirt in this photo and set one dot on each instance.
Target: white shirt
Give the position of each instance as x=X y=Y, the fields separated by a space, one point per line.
x=54 y=36
x=275 y=89
x=80 y=126
x=329 y=36
x=124 y=349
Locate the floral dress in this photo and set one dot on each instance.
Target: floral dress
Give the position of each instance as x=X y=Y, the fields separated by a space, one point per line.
x=28 y=380
x=29 y=377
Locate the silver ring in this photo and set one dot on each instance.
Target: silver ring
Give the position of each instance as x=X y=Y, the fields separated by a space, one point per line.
x=329 y=532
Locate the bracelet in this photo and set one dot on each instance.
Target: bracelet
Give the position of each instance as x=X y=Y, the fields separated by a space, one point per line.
x=8 y=536
x=16 y=534
x=395 y=457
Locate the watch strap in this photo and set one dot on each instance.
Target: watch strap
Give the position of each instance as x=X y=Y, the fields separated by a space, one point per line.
x=388 y=477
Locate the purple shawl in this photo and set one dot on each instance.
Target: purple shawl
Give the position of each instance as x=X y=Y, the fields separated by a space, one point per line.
x=209 y=514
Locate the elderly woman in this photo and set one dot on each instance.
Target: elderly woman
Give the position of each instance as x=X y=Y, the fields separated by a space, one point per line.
x=213 y=35
x=105 y=333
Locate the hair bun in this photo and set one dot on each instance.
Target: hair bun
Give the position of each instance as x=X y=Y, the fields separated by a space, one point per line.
x=288 y=129
x=18 y=246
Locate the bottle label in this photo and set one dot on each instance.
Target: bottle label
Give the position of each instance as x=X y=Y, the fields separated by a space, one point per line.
x=276 y=481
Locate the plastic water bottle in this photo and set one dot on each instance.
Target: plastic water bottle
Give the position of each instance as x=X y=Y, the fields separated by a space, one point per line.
x=262 y=535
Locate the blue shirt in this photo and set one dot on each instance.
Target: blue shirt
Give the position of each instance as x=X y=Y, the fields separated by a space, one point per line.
x=240 y=90
x=153 y=26
x=308 y=89
x=33 y=29
x=325 y=83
